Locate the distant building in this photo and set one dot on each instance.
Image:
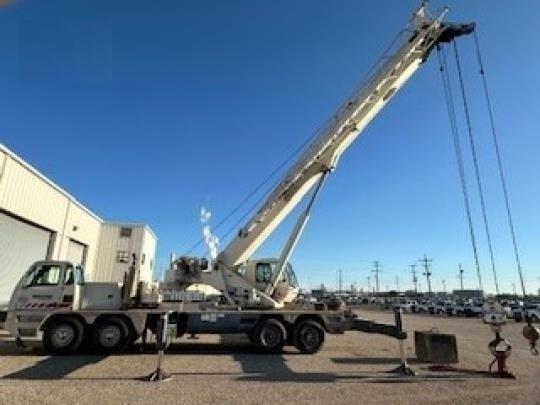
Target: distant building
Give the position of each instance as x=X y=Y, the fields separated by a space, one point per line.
x=468 y=294
x=39 y=220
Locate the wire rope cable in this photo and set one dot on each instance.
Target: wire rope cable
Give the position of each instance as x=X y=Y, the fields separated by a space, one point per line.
x=476 y=165
x=302 y=147
x=443 y=67
x=499 y=159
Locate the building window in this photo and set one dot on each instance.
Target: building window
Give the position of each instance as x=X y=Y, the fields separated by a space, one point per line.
x=122 y=256
x=125 y=232
x=143 y=258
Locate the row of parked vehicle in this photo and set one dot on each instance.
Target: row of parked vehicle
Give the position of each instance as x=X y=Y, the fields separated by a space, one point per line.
x=514 y=309
x=527 y=311
x=450 y=308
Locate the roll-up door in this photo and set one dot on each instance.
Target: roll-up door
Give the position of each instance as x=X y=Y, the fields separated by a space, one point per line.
x=76 y=252
x=21 y=244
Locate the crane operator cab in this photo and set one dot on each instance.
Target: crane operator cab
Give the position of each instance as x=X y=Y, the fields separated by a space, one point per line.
x=259 y=273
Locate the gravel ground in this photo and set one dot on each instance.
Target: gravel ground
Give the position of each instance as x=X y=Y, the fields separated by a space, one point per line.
x=350 y=369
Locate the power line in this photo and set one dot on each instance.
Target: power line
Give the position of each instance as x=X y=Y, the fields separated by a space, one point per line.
x=425 y=261
x=414 y=278
x=376 y=270
x=460 y=275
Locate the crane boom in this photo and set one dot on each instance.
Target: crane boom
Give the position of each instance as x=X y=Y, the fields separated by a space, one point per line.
x=322 y=156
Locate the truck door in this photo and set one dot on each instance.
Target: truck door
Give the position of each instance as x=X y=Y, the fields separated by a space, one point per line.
x=48 y=285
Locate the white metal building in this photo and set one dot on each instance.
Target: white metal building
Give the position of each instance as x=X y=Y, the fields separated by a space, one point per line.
x=39 y=220
x=117 y=244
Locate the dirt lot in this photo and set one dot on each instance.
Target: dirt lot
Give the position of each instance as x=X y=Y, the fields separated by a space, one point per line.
x=350 y=369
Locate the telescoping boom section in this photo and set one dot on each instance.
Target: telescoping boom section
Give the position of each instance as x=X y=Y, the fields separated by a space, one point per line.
x=344 y=127
x=421 y=36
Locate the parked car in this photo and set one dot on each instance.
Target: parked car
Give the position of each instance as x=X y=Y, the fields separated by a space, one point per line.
x=422 y=308
x=528 y=309
x=404 y=304
x=455 y=309
x=472 y=309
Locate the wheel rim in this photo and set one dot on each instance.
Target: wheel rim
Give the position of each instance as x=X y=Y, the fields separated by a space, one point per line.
x=63 y=336
x=110 y=336
x=310 y=337
x=270 y=337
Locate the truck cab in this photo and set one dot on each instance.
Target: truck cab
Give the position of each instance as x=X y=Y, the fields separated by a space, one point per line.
x=48 y=284
x=259 y=273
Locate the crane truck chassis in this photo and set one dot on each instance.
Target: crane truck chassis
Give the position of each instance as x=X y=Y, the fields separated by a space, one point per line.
x=257 y=297
x=70 y=314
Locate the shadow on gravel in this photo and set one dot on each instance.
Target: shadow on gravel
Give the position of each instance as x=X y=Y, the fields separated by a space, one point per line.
x=53 y=368
x=274 y=368
x=372 y=360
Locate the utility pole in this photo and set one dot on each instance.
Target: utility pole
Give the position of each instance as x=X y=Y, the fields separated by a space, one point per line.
x=369 y=284
x=340 y=281
x=461 y=276
x=397 y=283
x=376 y=270
x=444 y=286
x=414 y=278
x=425 y=261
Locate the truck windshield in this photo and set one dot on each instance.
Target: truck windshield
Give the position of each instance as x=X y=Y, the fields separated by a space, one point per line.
x=43 y=275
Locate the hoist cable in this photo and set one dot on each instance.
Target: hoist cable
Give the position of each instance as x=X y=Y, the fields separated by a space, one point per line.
x=248 y=197
x=443 y=67
x=499 y=160
x=476 y=165
x=301 y=147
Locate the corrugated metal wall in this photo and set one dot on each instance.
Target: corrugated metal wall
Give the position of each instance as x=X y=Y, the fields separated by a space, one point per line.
x=27 y=194
x=21 y=244
x=148 y=249
x=113 y=248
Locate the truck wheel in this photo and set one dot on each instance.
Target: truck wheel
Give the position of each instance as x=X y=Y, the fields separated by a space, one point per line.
x=112 y=334
x=308 y=336
x=534 y=318
x=63 y=335
x=270 y=336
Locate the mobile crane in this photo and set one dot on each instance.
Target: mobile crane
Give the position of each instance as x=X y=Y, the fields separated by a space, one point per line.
x=53 y=302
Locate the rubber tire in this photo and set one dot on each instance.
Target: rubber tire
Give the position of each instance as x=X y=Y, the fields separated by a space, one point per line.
x=534 y=318
x=125 y=335
x=71 y=346
x=277 y=331
x=299 y=337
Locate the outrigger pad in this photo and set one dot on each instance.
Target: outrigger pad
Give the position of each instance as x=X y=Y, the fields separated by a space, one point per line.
x=157 y=376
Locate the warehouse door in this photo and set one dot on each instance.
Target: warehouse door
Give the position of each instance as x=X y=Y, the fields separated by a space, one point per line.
x=76 y=252
x=21 y=244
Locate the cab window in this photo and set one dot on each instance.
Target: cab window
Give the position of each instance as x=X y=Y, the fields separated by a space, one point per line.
x=263 y=272
x=43 y=275
x=69 y=275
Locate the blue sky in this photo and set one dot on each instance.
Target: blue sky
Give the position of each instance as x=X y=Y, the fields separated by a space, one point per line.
x=146 y=111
